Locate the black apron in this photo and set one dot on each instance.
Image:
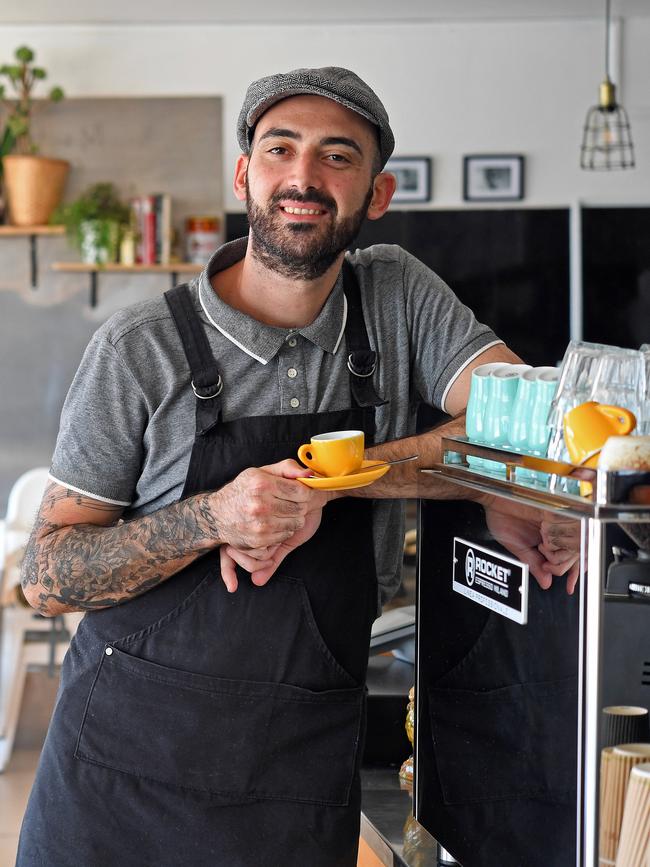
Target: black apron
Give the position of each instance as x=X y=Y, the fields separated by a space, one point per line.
x=201 y=728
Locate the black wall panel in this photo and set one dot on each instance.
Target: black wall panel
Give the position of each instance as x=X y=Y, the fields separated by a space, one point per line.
x=616 y=275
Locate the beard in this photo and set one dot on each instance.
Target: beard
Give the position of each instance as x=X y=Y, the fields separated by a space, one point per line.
x=300 y=251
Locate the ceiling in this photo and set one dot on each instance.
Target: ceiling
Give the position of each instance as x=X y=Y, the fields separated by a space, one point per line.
x=283 y=12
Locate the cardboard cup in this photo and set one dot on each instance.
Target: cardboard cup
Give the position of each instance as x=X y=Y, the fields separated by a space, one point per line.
x=615 y=768
x=635 y=828
x=625 y=724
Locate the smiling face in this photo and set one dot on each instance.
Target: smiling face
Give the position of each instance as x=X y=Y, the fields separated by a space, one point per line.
x=309 y=182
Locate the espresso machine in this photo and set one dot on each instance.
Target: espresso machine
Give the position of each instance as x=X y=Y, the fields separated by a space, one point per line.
x=511 y=679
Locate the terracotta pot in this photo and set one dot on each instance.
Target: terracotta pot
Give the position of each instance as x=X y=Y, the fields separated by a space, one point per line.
x=34 y=186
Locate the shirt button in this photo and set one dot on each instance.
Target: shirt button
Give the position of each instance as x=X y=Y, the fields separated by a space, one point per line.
x=294 y=402
x=292 y=372
x=292 y=341
x=109 y=651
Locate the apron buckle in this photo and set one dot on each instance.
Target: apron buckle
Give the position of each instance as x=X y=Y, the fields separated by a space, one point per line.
x=207 y=392
x=363 y=372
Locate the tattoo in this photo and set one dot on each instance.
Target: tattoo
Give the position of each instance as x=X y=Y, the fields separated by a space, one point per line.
x=86 y=566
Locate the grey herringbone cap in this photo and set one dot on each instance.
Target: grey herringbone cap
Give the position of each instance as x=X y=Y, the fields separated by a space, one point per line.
x=332 y=82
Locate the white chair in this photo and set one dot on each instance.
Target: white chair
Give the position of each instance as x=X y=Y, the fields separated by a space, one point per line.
x=26 y=638
x=23 y=504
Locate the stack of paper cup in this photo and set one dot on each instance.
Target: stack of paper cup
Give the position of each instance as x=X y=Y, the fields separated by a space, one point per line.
x=624 y=724
x=615 y=767
x=635 y=830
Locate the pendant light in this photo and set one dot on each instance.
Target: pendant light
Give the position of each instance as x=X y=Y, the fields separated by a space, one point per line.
x=607 y=139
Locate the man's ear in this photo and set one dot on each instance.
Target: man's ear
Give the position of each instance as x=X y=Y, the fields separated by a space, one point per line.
x=383 y=187
x=239 y=181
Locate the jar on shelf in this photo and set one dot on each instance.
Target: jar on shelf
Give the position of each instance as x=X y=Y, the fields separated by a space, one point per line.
x=202 y=237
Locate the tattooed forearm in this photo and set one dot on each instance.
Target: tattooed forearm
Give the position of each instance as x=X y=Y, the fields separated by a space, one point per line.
x=85 y=566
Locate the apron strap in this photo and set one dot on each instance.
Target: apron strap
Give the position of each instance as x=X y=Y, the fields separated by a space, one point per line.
x=206 y=380
x=362 y=360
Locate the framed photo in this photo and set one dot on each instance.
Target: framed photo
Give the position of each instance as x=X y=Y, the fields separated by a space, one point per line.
x=413 y=178
x=493 y=177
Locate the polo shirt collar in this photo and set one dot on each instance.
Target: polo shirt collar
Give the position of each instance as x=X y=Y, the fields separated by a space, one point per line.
x=257 y=339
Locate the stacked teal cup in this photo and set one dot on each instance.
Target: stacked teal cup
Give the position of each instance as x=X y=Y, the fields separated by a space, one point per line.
x=475 y=412
x=492 y=394
x=529 y=431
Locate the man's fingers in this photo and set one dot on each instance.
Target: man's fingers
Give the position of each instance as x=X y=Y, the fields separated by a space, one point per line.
x=264 y=553
x=556 y=556
x=246 y=561
x=535 y=563
x=228 y=572
x=572 y=578
x=288 y=469
x=260 y=576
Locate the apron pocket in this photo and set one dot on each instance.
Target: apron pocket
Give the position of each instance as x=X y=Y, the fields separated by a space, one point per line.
x=516 y=742
x=242 y=740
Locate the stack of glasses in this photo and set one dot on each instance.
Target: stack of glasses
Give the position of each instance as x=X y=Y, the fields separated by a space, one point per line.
x=606 y=374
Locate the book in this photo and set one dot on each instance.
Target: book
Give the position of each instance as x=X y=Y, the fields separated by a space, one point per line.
x=152 y=224
x=148 y=231
x=137 y=221
x=163 y=233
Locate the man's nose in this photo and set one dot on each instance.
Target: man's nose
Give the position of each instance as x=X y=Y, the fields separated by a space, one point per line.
x=306 y=172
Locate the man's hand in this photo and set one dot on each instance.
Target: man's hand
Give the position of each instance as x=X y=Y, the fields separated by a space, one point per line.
x=262 y=506
x=268 y=514
x=549 y=544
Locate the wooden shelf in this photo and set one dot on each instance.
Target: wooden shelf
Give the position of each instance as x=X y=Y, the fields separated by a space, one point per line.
x=31 y=232
x=173 y=269
x=28 y=231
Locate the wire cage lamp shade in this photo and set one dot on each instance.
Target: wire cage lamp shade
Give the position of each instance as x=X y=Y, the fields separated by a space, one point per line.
x=607 y=137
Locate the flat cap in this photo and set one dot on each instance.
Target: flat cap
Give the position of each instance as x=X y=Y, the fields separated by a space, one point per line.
x=332 y=82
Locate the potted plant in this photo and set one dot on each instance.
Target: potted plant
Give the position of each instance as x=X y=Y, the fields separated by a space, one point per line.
x=94 y=222
x=33 y=183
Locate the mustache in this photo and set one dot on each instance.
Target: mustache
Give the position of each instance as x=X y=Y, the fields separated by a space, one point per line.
x=314 y=196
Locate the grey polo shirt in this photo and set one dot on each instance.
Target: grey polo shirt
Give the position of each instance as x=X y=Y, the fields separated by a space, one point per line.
x=127 y=425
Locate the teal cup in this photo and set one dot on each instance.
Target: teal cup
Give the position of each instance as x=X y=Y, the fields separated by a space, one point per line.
x=522 y=410
x=528 y=408
x=539 y=430
x=475 y=412
x=502 y=392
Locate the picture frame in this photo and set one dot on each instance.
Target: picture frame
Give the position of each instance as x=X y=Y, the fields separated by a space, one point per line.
x=413 y=176
x=493 y=177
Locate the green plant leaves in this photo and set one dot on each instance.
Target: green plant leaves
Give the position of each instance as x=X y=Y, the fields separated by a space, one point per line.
x=24 y=54
x=23 y=79
x=98 y=202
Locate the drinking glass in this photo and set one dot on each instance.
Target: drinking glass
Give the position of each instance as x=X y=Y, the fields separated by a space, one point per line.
x=593 y=371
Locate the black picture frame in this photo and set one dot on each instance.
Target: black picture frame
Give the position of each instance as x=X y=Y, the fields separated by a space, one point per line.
x=413 y=176
x=493 y=177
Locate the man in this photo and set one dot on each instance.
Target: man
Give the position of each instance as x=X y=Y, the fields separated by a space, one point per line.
x=219 y=722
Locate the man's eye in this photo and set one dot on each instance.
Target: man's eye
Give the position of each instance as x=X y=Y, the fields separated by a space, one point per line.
x=278 y=149
x=337 y=158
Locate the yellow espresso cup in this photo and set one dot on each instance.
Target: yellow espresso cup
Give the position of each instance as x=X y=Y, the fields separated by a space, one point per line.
x=333 y=454
x=587 y=428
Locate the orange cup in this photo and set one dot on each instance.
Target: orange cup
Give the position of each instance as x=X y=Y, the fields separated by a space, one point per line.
x=587 y=428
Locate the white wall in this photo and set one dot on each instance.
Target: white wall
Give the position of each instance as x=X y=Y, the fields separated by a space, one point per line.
x=450 y=89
